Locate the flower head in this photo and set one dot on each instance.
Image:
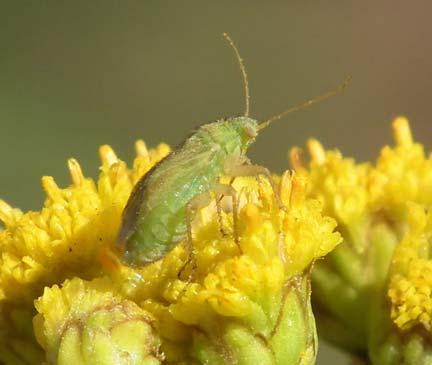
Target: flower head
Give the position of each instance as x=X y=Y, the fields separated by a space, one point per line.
x=64 y=239
x=380 y=210
x=247 y=300
x=402 y=174
x=410 y=288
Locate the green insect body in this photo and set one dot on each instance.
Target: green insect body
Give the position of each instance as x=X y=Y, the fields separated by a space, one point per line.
x=154 y=219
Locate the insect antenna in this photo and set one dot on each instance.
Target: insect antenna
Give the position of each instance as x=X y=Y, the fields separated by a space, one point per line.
x=307 y=103
x=243 y=71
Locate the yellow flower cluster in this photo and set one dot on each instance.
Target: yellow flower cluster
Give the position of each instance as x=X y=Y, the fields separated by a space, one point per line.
x=73 y=235
x=393 y=193
x=410 y=288
x=402 y=173
x=339 y=183
x=65 y=238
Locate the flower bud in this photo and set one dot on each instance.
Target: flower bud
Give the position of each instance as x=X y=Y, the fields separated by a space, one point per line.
x=83 y=323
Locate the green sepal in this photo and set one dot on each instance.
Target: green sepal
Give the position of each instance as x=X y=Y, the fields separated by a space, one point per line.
x=343 y=285
x=290 y=339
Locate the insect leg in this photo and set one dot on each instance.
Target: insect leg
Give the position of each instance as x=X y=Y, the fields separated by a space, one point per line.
x=219 y=198
x=254 y=170
x=228 y=190
x=199 y=201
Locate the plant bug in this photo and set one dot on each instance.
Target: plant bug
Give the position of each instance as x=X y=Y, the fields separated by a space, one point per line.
x=158 y=213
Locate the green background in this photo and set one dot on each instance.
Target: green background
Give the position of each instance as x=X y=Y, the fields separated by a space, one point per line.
x=78 y=74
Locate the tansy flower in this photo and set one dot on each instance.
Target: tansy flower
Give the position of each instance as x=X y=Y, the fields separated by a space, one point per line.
x=402 y=174
x=63 y=240
x=246 y=302
x=374 y=205
x=338 y=282
x=411 y=274
x=405 y=337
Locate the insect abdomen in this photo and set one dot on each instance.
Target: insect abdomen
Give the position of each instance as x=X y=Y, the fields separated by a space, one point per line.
x=161 y=220
x=154 y=219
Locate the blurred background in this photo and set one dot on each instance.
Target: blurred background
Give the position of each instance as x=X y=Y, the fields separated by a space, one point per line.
x=75 y=75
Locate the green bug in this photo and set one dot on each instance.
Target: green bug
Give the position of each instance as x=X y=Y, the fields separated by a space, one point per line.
x=157 y=215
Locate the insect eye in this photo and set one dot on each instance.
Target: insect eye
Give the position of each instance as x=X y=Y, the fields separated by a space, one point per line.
x=251 y=132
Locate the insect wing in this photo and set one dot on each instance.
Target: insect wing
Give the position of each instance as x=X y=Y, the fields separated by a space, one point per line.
x=183 y=173
x=132 y=208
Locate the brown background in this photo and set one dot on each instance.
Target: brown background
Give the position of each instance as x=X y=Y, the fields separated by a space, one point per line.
x=77 y=74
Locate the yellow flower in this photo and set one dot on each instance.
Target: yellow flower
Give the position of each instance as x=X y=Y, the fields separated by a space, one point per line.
x=410 y=288
x=374 y=205
x=65 y=239
x=402 y=194
x=247 y=300
x=340 y=184
x=402 y=174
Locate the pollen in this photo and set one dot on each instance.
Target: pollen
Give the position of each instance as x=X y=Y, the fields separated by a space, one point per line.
x=411 y=274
